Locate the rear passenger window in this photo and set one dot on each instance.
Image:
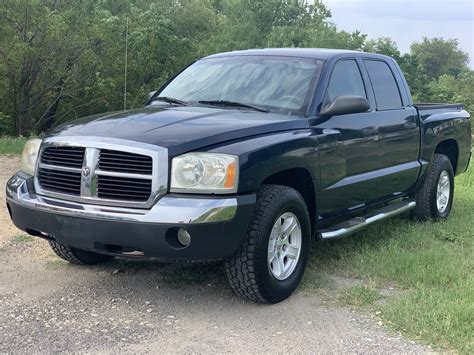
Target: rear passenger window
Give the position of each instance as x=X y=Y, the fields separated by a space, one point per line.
x=345 y=80
x=385 y=86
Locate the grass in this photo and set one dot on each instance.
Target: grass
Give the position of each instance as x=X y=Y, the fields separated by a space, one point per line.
x=12 y=145
x=360 y=295
x=432 y=262
x=21 y=239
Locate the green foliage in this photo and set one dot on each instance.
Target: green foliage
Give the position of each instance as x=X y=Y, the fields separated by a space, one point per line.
x=61 y=60
x=438 y=57
x=383 y=45
x=438 y=71
x=448 y=88
x=10 y=145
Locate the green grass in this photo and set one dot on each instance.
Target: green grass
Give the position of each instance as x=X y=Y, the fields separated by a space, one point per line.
x=432 y=262
x=360 y=295
x=11 y=145
x=22 y=238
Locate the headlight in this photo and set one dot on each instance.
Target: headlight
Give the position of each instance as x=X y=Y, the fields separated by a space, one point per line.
x=30 y=155
x=205 y=173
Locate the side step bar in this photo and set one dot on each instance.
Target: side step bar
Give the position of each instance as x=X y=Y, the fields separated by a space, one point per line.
x=355 y=224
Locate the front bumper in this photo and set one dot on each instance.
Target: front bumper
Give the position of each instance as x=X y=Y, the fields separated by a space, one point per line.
x=217 y=225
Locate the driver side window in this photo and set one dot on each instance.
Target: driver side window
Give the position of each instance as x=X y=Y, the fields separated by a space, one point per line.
x=345 y=80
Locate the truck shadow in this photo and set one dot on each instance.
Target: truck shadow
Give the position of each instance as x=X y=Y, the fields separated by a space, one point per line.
x=176 y=273
x=325 y=260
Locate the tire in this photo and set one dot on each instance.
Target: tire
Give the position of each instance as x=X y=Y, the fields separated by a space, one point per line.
x=249 y=271
x=426 y=197
x=78 y=256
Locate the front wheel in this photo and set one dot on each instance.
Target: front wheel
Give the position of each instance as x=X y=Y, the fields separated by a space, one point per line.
x=272 y=260
x=435 y=197
x=78 y=256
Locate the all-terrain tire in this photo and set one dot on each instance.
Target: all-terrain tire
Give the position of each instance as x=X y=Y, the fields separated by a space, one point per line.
x=426 y=196
x=248 y=271
x=78 y=256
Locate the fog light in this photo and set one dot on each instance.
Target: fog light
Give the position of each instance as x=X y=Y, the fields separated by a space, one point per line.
x=183 y=237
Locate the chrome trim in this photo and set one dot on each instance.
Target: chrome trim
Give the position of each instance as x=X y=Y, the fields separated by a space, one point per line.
x=93 y=146
x=60 y=168
x=342 y=232
x=168 y=210
x=89 y=181
x=126 y=175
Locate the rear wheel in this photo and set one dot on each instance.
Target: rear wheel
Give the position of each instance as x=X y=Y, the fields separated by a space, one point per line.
x=434 y=199
x=271 y=262
x=78 y=256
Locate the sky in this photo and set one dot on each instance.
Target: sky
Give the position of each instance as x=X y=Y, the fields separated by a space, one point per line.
x=408 y=21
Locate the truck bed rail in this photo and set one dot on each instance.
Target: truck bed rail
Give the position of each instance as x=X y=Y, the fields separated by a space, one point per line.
x=430 y=106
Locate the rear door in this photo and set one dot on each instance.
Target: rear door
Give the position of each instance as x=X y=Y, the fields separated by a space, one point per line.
x=399 y=130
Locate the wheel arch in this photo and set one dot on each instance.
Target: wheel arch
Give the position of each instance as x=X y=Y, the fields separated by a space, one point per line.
x=449 y=148
x=299 y=179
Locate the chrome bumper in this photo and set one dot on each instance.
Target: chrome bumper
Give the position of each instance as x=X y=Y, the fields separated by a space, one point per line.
x=170 y=209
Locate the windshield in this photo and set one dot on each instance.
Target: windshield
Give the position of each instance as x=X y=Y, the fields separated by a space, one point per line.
x=282 y=84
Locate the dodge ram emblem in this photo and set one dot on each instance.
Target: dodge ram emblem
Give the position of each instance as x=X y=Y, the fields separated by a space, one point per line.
x=86 y=172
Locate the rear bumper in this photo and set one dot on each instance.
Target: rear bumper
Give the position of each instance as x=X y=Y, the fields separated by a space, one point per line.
x=217 y=225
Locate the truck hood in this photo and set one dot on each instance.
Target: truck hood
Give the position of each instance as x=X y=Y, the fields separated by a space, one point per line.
x=180 y=129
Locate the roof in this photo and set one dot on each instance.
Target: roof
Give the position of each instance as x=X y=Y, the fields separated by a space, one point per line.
x=317 y=53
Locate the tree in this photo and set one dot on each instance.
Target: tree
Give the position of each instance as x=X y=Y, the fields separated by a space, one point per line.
x=63 y=59
x=383 y=45
x=448 y=88
x=42 y=52
x=436 y=57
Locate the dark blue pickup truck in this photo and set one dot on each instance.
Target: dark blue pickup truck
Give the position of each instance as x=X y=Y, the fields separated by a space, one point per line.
x=244 y=157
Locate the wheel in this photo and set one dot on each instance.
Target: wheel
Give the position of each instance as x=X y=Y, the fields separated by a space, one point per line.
x=435 y=197
x=271 y=261
x=78 y=256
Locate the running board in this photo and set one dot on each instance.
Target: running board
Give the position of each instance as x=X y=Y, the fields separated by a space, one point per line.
x=355 y=224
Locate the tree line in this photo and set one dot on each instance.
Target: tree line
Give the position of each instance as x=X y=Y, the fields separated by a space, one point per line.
x=63 y=59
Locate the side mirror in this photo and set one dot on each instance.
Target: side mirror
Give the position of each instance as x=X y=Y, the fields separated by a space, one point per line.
x=150 y=95
x=346 y=104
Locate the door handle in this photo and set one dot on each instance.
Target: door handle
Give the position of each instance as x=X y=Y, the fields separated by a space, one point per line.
x=331 y=132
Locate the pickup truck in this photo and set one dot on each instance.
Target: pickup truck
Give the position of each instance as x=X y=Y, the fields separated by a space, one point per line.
x=244 y=157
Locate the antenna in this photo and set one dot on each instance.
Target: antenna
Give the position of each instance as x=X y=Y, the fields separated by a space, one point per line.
x=126 y=69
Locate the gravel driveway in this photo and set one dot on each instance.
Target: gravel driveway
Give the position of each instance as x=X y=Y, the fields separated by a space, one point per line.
x=47 y=305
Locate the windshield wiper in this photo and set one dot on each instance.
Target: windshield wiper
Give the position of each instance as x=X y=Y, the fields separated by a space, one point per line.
x=231 y=104
x=170 y=100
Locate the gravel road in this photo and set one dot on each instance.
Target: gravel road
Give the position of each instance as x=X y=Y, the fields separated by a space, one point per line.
x=47 y=305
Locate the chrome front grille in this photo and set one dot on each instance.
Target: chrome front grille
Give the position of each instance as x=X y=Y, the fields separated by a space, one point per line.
x=60 y=181
x=110 y=172
x=63 y=156
x=112 y=160
x=120 y=188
